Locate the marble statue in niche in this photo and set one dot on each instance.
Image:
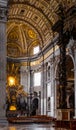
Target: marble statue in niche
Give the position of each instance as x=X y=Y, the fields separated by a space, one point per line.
x=70 y=95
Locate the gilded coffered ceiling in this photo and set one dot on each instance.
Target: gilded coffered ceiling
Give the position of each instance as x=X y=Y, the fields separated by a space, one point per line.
x=29 y=24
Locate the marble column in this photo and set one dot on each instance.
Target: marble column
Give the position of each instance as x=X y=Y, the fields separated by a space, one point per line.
x=3 y=10
x=75 y=75
x=52 y=87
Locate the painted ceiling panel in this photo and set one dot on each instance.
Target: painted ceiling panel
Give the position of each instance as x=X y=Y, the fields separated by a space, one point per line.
x=30 y=21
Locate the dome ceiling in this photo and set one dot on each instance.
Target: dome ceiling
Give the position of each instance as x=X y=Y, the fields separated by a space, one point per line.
x=29 y=24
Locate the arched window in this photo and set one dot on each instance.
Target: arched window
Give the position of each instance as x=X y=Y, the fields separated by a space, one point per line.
x=37 y=78
x=36 y=50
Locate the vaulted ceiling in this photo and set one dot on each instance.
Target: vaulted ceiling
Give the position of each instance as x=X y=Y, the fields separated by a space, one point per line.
x=29 y=24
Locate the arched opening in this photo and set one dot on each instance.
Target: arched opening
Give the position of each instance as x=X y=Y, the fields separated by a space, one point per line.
x=70 y=85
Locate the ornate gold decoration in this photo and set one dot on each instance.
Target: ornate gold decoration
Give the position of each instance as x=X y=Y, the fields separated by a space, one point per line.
x=31 y=34
x=11 y=81
x=34 y=19
x=13 y=74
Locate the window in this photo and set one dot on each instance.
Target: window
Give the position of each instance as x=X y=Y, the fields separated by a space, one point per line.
x=36 y=49
x=37 y=79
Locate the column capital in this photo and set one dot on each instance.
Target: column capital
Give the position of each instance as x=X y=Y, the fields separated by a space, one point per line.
x=3 y=3
x=3 y=14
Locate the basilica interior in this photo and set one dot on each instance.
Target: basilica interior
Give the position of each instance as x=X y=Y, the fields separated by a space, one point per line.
x=38 y=64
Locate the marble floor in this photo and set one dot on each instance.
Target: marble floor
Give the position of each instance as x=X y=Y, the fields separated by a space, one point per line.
x=30 y=127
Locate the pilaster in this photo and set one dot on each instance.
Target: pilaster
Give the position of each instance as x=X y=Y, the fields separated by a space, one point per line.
x=52 y=66
x=3 y=17
x=75 y=74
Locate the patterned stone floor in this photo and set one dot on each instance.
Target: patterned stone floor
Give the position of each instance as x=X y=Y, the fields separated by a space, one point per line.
x=30 y=127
